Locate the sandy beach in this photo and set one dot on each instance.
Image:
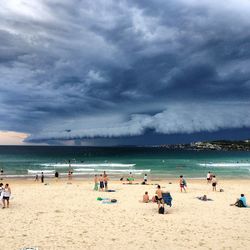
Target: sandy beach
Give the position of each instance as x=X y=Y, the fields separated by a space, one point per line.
x=68 y=216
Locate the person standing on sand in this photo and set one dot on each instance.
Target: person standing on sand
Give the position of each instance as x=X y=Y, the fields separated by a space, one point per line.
x=214 y=183
x=183 y=183
x=145 y=179
x=101 y=183
x=158 y=196
x=42 y=178
x=1 y=191
x=105 y=179
x=36 y=177
x=6 y=195
x=70 y=174
x=96 y=183
x=208 y=177
x=56 y=175
x=1 y=173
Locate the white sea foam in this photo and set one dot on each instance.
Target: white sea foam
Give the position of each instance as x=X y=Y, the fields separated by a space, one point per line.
x=40 y=171
x=87 y=165
x=113 y=170
x=229 y=165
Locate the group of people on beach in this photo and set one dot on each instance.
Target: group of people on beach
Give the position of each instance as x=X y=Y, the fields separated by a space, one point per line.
x=5 y=193
x=101 y=182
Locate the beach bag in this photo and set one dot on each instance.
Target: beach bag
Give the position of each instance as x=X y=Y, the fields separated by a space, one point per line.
x=161 y=210
x=113 y=200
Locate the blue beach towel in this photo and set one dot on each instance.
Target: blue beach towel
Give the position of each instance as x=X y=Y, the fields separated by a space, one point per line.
x=167 y=198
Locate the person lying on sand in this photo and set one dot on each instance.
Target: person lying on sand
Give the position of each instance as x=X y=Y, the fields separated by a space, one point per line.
x=204 y=198
x=241 y=202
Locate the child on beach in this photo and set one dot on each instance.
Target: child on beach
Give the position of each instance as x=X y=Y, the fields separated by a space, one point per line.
x=214 y=183
x=183 y=183
x=145 y=198
x=6 y=195
x=96 y=183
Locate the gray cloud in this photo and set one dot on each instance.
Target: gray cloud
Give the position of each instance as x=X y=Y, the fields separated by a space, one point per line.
x=111 y=69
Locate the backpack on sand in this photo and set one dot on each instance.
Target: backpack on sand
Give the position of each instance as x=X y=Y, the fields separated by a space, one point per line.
x=161 y=210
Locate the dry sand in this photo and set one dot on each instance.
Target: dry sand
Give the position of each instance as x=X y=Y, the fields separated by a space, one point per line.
x=68 y=216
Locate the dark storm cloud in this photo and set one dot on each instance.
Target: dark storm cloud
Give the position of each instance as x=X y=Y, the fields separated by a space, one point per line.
x=120 y=68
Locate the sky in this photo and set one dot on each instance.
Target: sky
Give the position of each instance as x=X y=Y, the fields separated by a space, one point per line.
x=124 y=72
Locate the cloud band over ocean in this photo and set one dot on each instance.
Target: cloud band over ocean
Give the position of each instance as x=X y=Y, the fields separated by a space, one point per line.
x=116 y=69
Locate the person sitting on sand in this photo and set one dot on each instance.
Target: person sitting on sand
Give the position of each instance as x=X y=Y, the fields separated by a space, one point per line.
x=130 y=179
x=183 y=183
x=214 y=183
x=6 y=195
x=145 y=198
x=241 y=202
x=101 y=183
x=96 y=183
x=158 y=196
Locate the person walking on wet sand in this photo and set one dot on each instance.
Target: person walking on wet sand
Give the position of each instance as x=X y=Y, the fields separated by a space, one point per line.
x=42 y=178
x=56 y=176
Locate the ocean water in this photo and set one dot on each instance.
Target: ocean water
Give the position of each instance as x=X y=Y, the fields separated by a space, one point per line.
x=119 y=161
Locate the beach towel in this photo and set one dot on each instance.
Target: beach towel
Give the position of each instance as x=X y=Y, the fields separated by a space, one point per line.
x=110 y=190
x=29 y=248
x=108 y=202
x=167 y=198
x=102 y=199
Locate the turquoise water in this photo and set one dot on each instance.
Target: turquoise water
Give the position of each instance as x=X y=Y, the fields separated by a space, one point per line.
x=28 y=160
